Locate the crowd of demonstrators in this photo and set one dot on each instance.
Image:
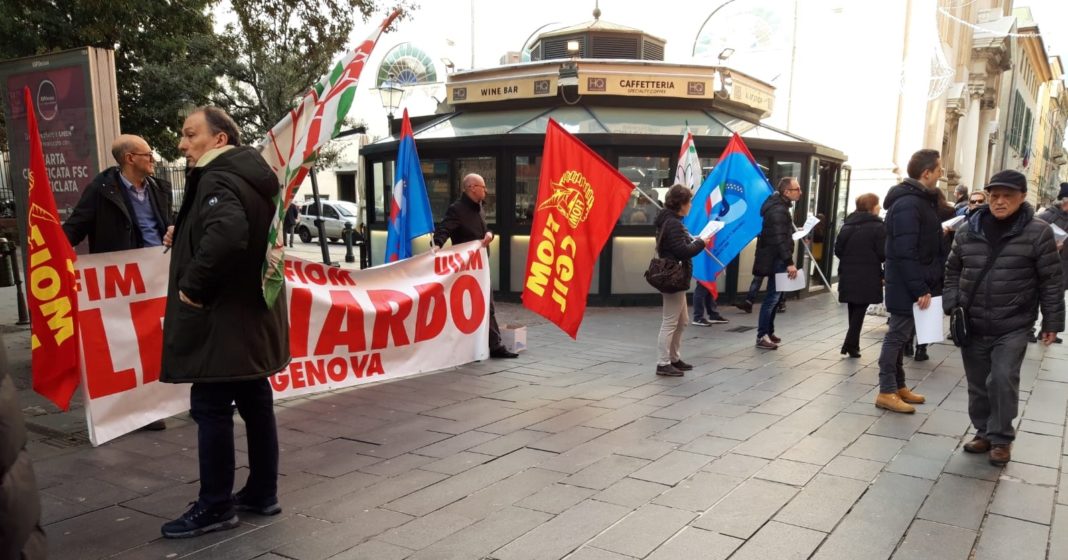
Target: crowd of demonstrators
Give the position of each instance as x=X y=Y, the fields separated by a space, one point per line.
x=1057 y=214
x=774 y=254
x=913 y=271
x=673 y=241
x=861 y=250
x=219 y=334
x=1003 y=267
x=124 y=207
x=465 y=220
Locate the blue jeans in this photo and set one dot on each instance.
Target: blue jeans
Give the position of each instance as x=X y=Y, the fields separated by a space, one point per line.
x=768 y=309
x=211 y=406
x=703 y=303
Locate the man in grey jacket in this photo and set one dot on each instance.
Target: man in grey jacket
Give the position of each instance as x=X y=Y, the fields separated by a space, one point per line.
x=1002 y=304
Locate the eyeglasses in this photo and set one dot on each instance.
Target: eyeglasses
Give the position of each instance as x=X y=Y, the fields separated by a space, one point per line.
x=793 y=189
x=149 y=154
x=976 y=201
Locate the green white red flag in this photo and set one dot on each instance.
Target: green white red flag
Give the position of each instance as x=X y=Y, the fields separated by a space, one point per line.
x=688 y=170
x=293 y=144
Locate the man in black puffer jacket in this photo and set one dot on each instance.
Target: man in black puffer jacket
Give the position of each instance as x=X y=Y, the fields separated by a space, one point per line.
x=774 y=254
x=1026 y=275
x=913 y=271
x=1057 y=215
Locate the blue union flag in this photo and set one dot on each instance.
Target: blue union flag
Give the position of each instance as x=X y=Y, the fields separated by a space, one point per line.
x=409 y=215
x=732 y=193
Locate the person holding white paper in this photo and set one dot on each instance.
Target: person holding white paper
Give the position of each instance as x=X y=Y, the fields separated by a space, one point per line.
x=775 y=253
x=1004 y=266
x=913 y=271
x=1057 y=215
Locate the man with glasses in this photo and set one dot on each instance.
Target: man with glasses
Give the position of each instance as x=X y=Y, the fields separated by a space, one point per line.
x=975 y=200
x=774 y=254
x=465 y=221
x=913 y=271
x=124 y=207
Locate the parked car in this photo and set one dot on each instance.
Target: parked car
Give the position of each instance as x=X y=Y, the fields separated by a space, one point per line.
x=336 y=213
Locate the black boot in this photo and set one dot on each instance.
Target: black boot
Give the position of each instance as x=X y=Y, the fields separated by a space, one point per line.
x=853 y=351
x=921 y=353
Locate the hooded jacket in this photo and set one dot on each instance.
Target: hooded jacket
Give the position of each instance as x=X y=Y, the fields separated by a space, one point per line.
x=861 y=250
x=913 y=246
x=220 y=244
x=674 y=242
x=1027 y=275
x=1057 y=216
x=775 y=242
x=104 y=214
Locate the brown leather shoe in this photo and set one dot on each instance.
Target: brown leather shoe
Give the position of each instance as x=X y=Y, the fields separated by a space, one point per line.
x=1000 y=454
x=908 y=396
x=977 y=445
x=893 y=403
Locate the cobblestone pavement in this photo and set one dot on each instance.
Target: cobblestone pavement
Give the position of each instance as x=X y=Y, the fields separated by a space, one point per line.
x=577 y=450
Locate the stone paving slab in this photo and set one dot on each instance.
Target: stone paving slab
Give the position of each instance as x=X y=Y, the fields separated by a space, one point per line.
x=576 y=450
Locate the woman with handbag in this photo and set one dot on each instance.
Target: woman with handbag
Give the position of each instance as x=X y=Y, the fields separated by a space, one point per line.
x=861 y=250
x=674 y=243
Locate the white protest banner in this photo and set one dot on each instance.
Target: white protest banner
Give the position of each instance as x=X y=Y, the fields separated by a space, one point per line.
x=347 y=327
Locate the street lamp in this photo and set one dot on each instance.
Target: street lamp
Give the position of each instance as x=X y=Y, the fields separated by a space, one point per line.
x=391 y=95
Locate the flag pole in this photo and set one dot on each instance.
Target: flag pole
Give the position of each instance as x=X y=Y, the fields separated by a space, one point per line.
x=815 y=264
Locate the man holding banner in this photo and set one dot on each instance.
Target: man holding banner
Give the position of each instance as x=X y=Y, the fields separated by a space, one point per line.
x=219 y=333
x=464 y=221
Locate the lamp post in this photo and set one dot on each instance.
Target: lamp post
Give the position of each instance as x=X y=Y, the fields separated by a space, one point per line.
x=391 y=95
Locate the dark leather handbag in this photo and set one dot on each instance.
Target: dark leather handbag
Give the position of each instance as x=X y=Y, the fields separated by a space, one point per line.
x=667 y=275
x=959 y=327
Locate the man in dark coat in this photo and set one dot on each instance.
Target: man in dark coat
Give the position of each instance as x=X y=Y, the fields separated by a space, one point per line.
x=1002 y=305
x=218 y=332
x=1057 y=215
x=124 y=207
x=913 y=271
x=465 y=221
x=775 y=253
x=290 y=224
x=21 y=536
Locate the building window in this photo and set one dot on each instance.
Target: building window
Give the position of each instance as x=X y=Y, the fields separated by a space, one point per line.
x=651 y=176
x=436 y=176
x=527 y=170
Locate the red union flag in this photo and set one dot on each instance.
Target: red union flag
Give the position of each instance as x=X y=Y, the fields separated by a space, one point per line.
x=580 y=197
x=52 y=294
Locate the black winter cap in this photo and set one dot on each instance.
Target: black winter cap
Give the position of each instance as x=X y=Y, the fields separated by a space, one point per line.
x=1008 y=178
x=1064 y=192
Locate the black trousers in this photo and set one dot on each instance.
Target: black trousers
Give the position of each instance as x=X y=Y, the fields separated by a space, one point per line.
x=494 y=328
x=211 y=406
x=856 y=322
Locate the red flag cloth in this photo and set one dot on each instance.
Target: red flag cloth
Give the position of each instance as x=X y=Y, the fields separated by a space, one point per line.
x=52 y=290
x=580 y=198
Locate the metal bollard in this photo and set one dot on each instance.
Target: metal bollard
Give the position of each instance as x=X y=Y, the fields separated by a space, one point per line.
x=365 y=260
x=7 y=253
x=346 y=234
